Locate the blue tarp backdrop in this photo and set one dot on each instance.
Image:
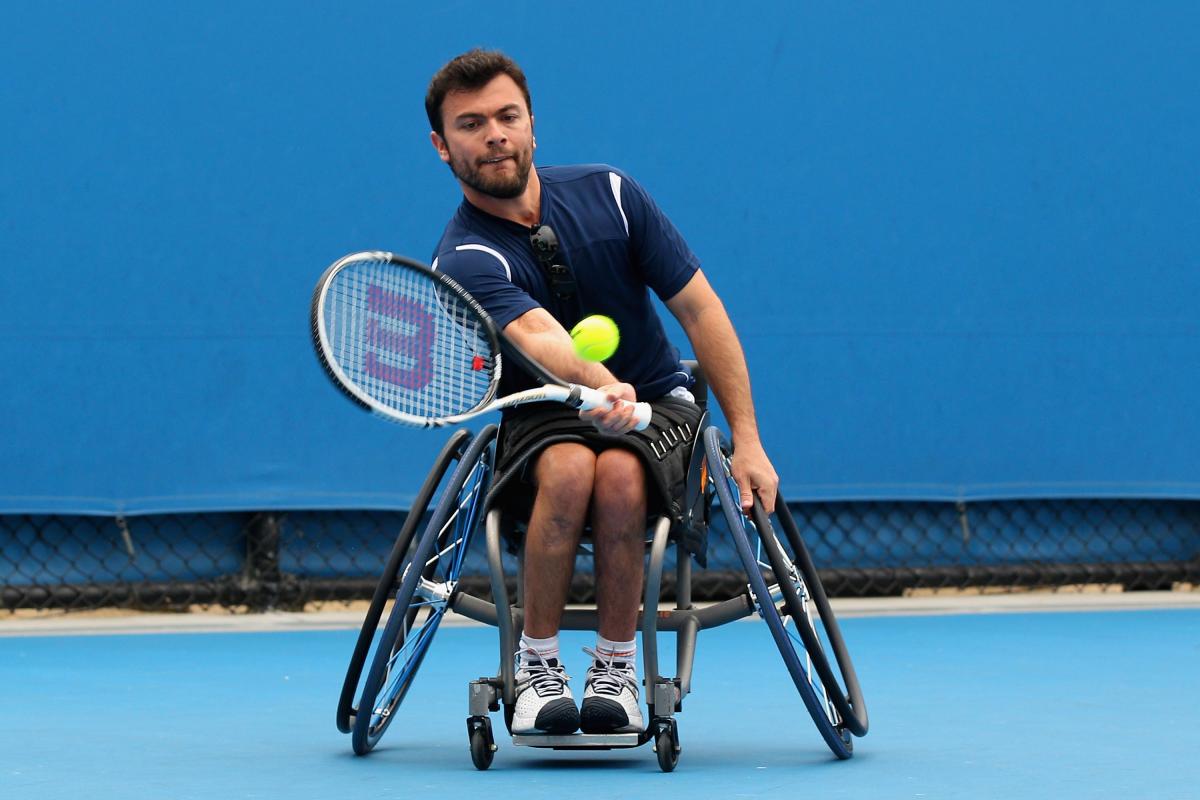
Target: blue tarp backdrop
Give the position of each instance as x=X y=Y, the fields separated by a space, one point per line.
x=959 y=239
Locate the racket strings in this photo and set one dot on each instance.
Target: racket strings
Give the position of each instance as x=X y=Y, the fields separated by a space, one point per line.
x=407 y=341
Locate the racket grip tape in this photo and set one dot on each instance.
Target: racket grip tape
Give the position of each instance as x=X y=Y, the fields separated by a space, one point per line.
x=590 y=398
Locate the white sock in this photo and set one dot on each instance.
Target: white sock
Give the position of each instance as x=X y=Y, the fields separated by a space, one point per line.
x=617 y=651
x=545 y=648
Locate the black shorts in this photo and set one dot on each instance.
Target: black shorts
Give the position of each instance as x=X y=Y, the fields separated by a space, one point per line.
x=665 y=448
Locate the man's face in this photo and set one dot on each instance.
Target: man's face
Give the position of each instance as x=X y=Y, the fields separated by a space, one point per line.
x=489 y=138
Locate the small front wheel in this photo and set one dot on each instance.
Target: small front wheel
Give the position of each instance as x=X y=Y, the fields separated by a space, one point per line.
x=666 y=746
x=483 y=748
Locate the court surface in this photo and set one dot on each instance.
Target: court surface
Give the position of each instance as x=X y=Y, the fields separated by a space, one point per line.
x=1058 y=704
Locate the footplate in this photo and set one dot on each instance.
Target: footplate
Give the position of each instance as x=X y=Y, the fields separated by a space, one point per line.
x=579 y=741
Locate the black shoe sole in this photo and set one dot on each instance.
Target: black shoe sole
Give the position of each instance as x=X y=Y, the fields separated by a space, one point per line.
x=559 y=717
x=601 y=715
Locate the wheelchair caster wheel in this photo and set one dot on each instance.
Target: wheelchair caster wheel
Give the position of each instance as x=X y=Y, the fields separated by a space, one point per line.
x=666 y=744
x=483 y=747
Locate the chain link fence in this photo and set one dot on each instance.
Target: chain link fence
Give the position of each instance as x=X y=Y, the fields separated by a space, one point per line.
x=297 y=560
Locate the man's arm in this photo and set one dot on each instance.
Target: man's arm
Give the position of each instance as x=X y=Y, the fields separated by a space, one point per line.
x=708 y=328
x=539 y=334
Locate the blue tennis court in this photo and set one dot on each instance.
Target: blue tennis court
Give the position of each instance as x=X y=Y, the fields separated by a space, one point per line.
x=1080 y=704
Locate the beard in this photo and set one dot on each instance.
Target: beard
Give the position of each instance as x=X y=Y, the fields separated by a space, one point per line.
x=502 y=187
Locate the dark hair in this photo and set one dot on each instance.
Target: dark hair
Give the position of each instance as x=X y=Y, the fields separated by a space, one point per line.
x=472 y=70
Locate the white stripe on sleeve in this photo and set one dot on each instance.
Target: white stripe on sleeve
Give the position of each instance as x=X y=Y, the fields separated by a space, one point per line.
x=486 y=249
x=614 y=180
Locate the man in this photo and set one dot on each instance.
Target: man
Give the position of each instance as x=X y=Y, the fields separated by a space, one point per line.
x=539 y=249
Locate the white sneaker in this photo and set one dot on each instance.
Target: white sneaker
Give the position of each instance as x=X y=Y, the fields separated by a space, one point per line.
x=610 y=697
x=544 y=701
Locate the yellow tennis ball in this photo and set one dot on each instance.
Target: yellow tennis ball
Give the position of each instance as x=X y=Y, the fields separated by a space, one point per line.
x=595 y=338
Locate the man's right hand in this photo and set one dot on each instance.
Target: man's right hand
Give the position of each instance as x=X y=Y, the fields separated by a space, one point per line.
x=619 y=419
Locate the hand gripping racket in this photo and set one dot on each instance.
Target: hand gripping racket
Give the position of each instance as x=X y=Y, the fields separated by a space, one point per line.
x=411 y=345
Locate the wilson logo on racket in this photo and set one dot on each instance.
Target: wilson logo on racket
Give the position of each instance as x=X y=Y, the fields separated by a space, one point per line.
x=412 y=345
x=416 y=346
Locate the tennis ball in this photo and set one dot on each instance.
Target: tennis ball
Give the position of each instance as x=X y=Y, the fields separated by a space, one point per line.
x=595 y=338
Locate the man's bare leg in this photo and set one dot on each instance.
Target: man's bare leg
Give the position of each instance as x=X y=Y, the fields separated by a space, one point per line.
x=610 y=698
x=619 y=529
x=564 y=475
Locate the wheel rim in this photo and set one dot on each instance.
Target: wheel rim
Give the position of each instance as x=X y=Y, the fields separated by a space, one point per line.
x=389 y=583
x=431 y=598
x=823 y=638
x=765 y=598
x=783 y=608
x=425 y=594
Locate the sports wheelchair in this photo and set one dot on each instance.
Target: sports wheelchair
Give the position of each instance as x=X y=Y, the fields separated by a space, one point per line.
x=423 y=576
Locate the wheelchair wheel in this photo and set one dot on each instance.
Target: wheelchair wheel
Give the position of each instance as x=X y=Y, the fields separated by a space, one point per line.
x=666 y=745
x=389 y=581
x=483 y=747
x=427 y=584
x=788 y=595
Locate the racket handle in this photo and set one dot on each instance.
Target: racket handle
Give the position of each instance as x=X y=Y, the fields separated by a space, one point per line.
x=590 y=398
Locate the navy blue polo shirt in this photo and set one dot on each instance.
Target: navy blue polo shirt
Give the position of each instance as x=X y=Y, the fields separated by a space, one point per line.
x=619 y=246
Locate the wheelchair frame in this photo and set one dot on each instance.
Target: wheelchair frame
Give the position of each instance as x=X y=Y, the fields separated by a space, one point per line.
x=424 y=596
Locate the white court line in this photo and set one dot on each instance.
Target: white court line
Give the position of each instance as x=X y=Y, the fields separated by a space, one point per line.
x=84 y=625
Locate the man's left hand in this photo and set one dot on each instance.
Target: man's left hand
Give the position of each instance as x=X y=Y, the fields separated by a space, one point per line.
x=753 y=472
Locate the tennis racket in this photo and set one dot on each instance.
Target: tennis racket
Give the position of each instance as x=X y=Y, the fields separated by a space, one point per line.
x=411 y=345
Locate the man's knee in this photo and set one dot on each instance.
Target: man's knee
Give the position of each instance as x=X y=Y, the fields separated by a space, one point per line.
x=620 y=482
x=565 y=475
